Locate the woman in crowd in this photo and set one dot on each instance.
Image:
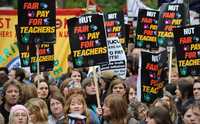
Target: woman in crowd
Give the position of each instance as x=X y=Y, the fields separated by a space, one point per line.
x=56 y=105
x=38 y=111
x=76 y=76
x=19 y=115
x=12 y=93
x=114 y=111
x=43 y=89
x=90 y=91
x=191 y=114
x=158 y=115
x=118 y=86
x=196 y=89
x=30 y=91
x=138 y=110
x=168 y=100
x=184 y=95
x=76 y=105
x=65 y=86
x=132 y=93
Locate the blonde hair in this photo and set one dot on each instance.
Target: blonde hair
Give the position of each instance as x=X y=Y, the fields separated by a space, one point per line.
x=38 y=107
x=14 y=109
x=80 y=98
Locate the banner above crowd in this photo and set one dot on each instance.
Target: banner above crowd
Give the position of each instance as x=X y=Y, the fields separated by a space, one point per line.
x=187 y=42
x=170 y=17
x=115 y=27
x=146 y=31
x=88 y=40
x=9 y=56
x=38 y=20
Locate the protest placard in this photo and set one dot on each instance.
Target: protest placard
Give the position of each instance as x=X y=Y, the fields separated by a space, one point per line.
x=146 y=31
x=187 y=43
x=117 y=58
x=170 y=17
x=37 y=21
x=115 y=27
x=87 y=40
x=152 y=75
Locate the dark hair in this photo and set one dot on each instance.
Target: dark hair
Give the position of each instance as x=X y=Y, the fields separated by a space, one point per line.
x=194 y=105
x=171 y=88
x=196 y=81
x=19 y=73
x=43 y=80
x=160 y=115
x=186 y=88
x=4 y=69
x=133 y=62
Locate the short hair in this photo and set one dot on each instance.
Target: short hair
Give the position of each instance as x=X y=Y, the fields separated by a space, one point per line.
x=116 y=82
x=82 y=99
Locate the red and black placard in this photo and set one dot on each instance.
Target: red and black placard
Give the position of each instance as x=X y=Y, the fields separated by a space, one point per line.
x=146 y=31
x=171 y=16
x=88 y=40
x=187 y=43
x=152 y=75
x=37 y=18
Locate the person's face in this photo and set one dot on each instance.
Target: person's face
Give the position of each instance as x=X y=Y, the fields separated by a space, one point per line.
x=33 y=117
x=65 y=91
x=76 y=76
x=12 y=95
x=166 y=100
x=150 y=120
x=119 y=89
x=106 y=110
x=56 y=107
x=102 y=84
x=142 y=113
x=20 y=117
x=90 y=89
x=76 y=106
x=196 y=91
x=131 y=94
x=192 y=116
x=11 y=74
x=42 y=90
x=178 y=92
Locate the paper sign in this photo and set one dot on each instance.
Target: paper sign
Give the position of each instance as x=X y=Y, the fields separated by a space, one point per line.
x=117 y=58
